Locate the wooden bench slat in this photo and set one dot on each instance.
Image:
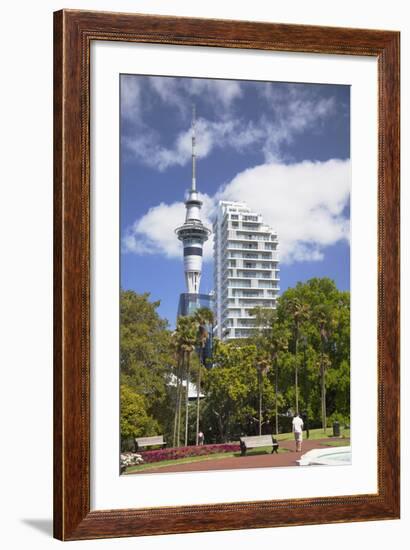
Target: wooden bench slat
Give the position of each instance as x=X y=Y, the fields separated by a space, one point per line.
x=149 y=441
x=255 y=441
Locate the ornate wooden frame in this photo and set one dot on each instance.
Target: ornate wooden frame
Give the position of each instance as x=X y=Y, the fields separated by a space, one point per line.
x=73 y=33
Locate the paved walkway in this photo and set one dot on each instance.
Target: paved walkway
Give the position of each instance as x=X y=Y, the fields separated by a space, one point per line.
x=242 y=462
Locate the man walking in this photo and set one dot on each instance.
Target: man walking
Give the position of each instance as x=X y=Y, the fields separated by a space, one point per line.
x=297 y=427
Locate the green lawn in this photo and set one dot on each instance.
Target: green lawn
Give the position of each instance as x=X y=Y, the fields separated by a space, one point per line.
x=260 y=451
x=190 y=459
x=315 y=434
x=334 y=443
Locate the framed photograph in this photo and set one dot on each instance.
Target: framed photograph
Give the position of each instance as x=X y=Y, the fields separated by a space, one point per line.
x=226 y=275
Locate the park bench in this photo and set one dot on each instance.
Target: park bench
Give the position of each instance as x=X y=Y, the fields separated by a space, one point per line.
x=255 y=441
x=149 y=442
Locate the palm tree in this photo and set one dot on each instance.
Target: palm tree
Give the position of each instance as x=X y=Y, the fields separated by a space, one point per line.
x=278 y=343
x=262 y=367
x=187 y=334
x=203 y=318
x=178 y=345
x=272 y=335
x=326 y=321
x=185 y=339
x=299 y=312
x=178 y=362
x=324 y=363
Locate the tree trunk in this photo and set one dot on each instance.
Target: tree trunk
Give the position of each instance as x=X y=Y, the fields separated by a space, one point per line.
x=323 y=385
x=174 y=435
x=276 y=398
x=260 y=405
x=180 y=401
x=198 y=391
x=296 y=376
x=306 y=381
x=323 y=394
x=220 y=426
x=187 y=400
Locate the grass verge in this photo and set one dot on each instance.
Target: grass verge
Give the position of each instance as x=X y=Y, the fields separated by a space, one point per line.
x=315 y=434
x=190 y=459
x=335 y=443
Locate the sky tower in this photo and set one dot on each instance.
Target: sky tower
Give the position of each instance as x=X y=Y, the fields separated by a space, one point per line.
x=193 y=233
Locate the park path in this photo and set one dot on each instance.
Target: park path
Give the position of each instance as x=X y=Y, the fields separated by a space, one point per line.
x=242 y=462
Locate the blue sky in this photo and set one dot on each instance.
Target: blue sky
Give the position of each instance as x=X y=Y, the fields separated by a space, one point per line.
x=284 y=148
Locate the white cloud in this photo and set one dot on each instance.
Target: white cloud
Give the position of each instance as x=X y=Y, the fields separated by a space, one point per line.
x=130 y=97
x=289 y=110
x=145 y=147
x=303 y=202
x=169 y=91
x=154 y=233
x=214 y=91
x=294 y=109
x=269 y=135
x=179 y=93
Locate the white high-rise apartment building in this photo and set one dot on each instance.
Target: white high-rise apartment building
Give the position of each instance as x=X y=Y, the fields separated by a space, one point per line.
x=246 y=268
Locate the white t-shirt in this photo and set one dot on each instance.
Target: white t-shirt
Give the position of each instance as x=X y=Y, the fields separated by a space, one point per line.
x=297 y=424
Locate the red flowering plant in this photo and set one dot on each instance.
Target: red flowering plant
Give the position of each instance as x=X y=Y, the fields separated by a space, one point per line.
x=175 y=453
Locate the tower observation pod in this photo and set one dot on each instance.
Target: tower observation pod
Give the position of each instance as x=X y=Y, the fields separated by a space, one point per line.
x=193 y=233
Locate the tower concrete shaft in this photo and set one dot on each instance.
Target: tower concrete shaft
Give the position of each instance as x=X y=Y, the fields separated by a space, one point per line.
x=193 y=233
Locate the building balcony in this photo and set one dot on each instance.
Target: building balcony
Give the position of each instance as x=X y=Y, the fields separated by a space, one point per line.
x=256 y=267
x=255 y=298
x=242 y=238
x=257 y=230
x=264 y=277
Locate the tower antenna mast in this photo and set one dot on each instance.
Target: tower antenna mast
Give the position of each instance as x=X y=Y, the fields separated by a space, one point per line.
x=193 y=148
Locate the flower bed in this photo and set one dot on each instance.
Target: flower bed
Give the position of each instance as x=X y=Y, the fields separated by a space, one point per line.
x=183 y=452
x=129 y=459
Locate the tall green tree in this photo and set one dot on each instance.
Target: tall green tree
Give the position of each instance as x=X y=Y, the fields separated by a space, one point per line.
x=186 y=334
x=326 y=346
x=135 y=419
x=262 y=367
x=249 y=379
x=177 y=348
x=146 y=363
x=204 y=318
x=326 y=319
x=231 y=388
x=272 y=336
x=299 y=313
